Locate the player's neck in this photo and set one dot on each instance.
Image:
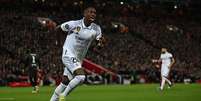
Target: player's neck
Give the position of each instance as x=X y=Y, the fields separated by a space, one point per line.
x=87 y=23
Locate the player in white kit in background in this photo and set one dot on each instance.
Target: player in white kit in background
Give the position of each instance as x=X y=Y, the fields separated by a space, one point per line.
x=167 y=61
x=80 y=34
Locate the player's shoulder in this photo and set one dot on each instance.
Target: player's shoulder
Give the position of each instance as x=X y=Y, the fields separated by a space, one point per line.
x=95 y=26
x=69 y=24
x=73 y=22
x=161 y=55
x=169 y=54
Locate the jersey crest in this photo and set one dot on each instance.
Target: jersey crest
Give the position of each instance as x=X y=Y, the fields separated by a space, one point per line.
x=77 y=29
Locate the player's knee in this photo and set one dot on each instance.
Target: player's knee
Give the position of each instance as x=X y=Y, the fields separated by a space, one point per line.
x=81 y=78
x=65 y=80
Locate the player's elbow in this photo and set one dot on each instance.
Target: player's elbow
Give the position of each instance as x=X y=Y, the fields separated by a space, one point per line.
x=173 y=60
x=58 y=28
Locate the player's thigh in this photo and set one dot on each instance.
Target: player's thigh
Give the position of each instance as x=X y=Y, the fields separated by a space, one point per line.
x=65 y=80
x=67 y=75
x=32 y=71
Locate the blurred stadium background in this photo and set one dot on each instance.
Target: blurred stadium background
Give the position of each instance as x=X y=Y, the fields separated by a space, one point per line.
x=134 y=32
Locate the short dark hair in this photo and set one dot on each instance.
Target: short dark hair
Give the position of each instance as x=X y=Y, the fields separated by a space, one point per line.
x=85 y=9
x=89 y=7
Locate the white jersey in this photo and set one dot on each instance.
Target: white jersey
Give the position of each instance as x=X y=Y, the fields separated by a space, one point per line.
x=80 y=37
x=166 y=58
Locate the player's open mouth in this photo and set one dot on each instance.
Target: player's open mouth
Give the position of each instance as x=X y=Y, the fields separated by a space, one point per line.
x=92 y=18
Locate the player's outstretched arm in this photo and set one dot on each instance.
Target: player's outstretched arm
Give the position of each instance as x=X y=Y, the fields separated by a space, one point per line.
x=58 y=30
x=52 y=26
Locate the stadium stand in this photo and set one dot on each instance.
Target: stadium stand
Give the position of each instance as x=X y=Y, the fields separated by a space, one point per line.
x=134 y=34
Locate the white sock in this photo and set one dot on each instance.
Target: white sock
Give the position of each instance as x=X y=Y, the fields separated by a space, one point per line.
x=162 y=83
x=73 y=83
x=58 y=91
x=168 y=81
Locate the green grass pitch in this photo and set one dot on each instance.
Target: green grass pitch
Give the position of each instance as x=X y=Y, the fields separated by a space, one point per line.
x=139 y=92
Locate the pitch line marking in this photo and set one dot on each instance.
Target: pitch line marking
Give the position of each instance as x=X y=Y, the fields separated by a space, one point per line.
x=7 y=99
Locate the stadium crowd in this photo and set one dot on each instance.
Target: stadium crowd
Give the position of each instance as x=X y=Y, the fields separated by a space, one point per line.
x=126 y=52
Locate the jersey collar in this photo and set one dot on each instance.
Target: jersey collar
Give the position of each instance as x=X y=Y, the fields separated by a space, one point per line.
x=83 y=25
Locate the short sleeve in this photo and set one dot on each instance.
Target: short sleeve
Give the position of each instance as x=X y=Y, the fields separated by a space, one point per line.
x=161 y=56
x=170 y=55
x=67 y=26
x=99 y=33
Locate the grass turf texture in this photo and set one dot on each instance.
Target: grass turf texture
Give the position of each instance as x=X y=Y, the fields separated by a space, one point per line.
x=141 y=92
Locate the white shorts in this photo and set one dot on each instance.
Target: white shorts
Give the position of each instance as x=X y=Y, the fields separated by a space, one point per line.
x=71 y=63
x=165 y=70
